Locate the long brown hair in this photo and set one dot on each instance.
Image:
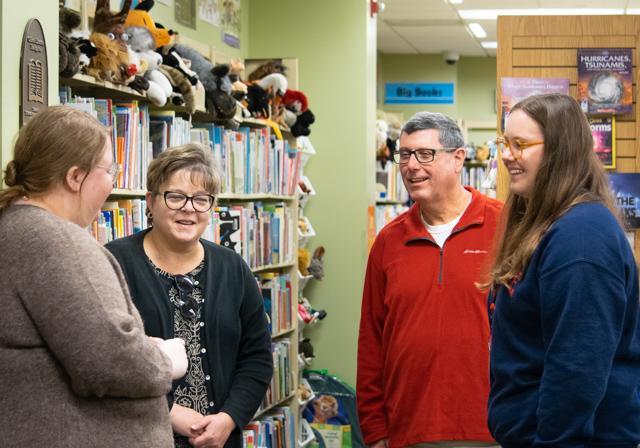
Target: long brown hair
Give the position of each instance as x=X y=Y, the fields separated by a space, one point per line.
x=52 y=142
x=570 y=173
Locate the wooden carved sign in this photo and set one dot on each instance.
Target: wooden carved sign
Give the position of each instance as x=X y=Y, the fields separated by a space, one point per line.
x=33 y=72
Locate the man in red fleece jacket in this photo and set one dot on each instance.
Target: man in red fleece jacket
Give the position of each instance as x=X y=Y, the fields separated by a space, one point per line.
x=423 y=355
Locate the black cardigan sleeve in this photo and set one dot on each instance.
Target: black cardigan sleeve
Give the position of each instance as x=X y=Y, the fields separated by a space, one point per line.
x=255 y=363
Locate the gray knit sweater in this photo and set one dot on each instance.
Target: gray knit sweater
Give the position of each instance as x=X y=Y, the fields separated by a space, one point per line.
x=76 y=369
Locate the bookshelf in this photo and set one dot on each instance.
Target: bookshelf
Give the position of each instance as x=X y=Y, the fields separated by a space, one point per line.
x=262 y=202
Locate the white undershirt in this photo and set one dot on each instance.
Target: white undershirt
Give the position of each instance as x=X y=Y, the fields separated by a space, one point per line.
x=441 y=232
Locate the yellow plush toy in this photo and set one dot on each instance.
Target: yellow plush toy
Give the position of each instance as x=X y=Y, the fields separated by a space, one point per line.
x=304 y=260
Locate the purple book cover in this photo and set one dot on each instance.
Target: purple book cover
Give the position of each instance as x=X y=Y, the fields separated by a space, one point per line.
x=605 y=80
x=517 y=89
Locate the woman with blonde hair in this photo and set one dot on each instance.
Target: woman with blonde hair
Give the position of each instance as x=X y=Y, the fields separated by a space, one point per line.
x=76 y=368
x=565 y=346
x=203 y=293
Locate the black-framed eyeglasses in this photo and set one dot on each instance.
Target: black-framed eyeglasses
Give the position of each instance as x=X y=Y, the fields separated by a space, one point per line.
x=423 y=155
x=201 y=203
x=186 y=303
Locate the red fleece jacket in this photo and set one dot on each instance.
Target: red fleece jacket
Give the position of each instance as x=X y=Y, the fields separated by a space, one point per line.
x=423 y=358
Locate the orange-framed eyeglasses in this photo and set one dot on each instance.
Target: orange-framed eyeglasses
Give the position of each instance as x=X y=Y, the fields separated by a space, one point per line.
x=515 y=146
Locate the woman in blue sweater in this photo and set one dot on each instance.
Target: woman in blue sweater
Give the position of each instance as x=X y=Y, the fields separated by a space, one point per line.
x=565 y=349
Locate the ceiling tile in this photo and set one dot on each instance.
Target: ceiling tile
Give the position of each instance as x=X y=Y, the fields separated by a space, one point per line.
x=436 y=39
x=390 y=41
x=417 y=10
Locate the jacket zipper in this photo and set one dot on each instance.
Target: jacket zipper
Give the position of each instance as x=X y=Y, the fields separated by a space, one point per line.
x=441 y=267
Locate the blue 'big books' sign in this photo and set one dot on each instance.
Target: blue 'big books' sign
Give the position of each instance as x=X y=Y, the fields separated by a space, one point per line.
x=418 y=93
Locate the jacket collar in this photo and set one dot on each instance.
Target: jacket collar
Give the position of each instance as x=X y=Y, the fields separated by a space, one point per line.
x=473 y=215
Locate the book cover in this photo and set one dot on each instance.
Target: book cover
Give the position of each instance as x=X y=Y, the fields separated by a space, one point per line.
x=230 y=231
x=604 y=139
x=605 y=80
x=517 y=89
x=626 y=190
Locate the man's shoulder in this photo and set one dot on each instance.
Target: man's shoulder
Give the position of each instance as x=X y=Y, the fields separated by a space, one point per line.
x=396 y=226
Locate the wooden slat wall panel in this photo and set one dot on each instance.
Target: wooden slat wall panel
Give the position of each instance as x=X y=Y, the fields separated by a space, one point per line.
x=562 y=57
x=625 y=165
x=574 y=41
x=546 y=46
x=626 y=148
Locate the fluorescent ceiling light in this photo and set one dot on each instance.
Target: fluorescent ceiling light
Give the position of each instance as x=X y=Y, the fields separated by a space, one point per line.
x=492 y=14
x=477 y=30
x=456 y=2
x=489 y=44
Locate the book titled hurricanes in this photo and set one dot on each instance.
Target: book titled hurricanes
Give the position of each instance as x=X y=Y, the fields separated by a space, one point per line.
x=605 y=80
x=603 y=131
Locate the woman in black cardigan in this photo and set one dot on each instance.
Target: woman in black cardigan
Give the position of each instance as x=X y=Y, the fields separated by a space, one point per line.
x=203 y=293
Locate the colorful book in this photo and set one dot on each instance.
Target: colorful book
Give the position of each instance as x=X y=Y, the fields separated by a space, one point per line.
x=626 y=189
x=517 y=89
x=605 y=80
x=604 y=139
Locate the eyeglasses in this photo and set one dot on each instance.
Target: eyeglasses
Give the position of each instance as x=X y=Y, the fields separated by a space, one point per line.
x=423 y=155
x=112 y=170
x=515 y=146
x=187 y=305
x=201 y=202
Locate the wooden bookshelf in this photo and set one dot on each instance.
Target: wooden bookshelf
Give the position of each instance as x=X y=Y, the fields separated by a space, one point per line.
x=124 y=193
x=87 y=86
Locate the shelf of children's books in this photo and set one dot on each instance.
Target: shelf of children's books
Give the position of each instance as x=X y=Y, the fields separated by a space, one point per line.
x=126 y=193
x=255 y=197
x=101 y=89
x=283 y=333
x=272 y=267
x=273 y=405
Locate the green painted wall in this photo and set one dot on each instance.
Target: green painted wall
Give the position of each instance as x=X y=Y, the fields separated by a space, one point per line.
x=13 y=19
x=204 y=31
x=475 y=86
x=334 y=41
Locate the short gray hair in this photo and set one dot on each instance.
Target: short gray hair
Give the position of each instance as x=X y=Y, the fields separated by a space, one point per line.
x=450 y=133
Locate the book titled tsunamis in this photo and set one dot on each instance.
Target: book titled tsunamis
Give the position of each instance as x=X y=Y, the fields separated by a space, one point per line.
x=605 y=80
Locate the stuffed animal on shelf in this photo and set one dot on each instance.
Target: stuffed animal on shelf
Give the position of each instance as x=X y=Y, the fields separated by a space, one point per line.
x=183 y=92
x=266 y=69
x=140 y=17
x=263 y=96
x=304 y=260
x=382 y=150
x=172 y=58
x=304 y=393
x=111 y=63
x=316 y=266
x=217 y=86
x=482 y=152
x=74 y=49
x=306 y=349
x=296 y=107
x=238 y=88
x=301 y=126
x=141 y=42
x=109 y=23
